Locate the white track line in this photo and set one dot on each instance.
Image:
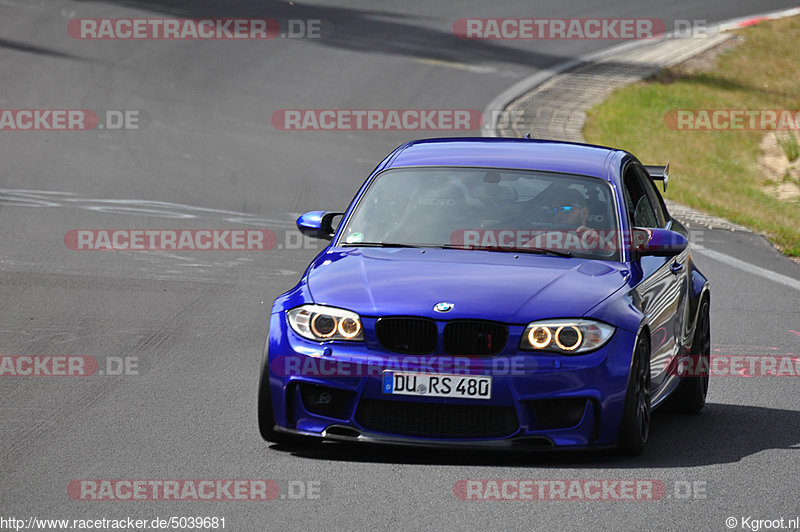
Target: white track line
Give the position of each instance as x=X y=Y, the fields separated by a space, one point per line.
x=746 y=266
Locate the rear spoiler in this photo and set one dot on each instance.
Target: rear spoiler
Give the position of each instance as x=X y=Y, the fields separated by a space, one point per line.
x=658 y=173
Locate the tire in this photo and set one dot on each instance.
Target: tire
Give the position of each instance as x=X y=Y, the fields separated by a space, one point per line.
x=636 y=416
x=690 y=396
x=266 y=419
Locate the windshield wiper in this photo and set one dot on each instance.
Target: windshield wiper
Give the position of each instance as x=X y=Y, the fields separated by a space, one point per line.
x=384 y=245
x=531 y=250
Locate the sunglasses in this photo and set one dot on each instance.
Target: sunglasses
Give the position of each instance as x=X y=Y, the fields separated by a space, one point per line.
x=567 y=208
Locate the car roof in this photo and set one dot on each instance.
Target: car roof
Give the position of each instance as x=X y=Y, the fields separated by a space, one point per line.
x=528 y=154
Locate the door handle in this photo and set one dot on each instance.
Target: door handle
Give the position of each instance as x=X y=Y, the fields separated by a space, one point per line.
x=676 y=267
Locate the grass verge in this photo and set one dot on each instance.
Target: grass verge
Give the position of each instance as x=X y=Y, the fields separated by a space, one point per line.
x=717 y=172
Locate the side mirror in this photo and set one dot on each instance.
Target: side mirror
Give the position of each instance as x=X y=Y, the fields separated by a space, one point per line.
x=657 y=242
x=318 y=224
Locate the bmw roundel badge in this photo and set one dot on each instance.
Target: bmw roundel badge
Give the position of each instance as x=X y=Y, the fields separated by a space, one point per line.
x=443 y=306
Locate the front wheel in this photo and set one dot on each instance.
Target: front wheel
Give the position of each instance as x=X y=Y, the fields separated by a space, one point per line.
x=266 y=420
x=635 y=429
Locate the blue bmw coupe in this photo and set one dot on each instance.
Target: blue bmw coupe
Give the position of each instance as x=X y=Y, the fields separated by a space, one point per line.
x=493 y=293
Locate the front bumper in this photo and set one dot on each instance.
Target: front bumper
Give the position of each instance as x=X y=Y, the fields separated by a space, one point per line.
x=556 y=401
x=348 y=434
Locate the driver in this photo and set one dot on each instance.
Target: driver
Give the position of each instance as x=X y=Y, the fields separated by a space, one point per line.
x=569 y=212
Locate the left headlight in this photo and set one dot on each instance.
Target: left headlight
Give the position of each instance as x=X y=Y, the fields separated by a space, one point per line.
x=569 y=337
x=320 y=323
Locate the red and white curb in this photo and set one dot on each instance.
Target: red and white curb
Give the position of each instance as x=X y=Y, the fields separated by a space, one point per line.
x=752 y=20
x=522 y=87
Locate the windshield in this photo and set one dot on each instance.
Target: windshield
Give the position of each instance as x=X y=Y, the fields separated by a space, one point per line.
x=489 y=209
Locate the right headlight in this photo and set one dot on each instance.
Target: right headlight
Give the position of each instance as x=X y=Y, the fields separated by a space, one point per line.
x=321 y=323
x=569 y=337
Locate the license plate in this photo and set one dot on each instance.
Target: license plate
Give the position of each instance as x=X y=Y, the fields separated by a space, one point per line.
x=431 y=385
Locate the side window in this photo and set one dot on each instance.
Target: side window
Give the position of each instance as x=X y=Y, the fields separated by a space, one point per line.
x=640 y=210
x=655 y=198
x=644 y=216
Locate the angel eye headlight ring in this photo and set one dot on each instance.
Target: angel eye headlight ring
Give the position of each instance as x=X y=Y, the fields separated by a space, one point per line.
x=321 y=323
x=565 y=330
x=566 y=336
x=540 y=337
x=349 y=327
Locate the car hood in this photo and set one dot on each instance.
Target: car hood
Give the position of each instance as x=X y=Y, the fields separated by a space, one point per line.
x=501 y=286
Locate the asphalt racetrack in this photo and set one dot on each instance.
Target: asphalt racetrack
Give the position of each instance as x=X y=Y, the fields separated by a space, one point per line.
x=178 y=336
